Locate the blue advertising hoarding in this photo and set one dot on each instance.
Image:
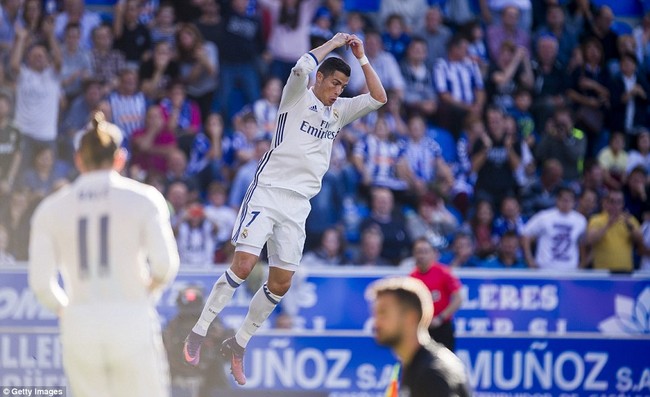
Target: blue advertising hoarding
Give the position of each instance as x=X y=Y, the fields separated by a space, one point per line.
x=519 y=333
x=495 y=303
x=351 y=364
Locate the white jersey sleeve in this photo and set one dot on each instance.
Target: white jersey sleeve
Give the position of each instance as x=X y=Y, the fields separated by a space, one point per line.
x=297 y=82
x=160 y=242
x=43 y=267
x=357 y=107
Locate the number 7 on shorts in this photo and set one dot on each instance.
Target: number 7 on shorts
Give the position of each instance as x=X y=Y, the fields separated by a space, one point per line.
x=255 y=214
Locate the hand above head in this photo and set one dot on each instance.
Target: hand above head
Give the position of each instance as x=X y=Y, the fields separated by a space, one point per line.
x=340 y=39
x=356 y=45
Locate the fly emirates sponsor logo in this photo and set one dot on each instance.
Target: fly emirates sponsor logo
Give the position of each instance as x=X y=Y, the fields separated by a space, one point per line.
x=320 y=132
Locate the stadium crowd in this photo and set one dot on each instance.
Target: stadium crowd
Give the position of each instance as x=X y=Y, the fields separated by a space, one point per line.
x=516 y=135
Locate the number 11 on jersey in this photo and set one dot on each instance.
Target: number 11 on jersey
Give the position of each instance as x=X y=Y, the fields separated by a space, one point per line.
x=82 y=233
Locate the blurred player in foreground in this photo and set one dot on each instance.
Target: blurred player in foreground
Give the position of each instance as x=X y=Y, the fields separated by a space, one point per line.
x=402 y=312
x=110 y=239
x=276 y=204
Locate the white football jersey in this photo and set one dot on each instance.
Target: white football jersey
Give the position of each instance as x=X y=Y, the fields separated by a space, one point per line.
x=107 y=235
x=558 y=237
x=302 y=145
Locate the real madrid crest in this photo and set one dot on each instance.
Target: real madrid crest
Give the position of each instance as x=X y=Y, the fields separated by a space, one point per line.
x=336 y=113
x=244 y=234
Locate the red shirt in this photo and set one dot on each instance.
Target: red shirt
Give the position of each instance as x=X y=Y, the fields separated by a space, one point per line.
x=441 y=282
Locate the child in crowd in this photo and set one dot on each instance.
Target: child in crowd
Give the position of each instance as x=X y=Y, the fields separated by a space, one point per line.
x=395 y=38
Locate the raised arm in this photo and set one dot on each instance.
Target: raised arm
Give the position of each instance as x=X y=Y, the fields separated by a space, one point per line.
x=18 y=50
x=375 y=88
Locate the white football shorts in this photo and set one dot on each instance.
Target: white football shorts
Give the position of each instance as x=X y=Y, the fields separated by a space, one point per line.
x=273 y=216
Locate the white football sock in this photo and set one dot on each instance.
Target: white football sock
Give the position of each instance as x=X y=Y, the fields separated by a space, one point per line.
x=259 y=310
x=221 y=294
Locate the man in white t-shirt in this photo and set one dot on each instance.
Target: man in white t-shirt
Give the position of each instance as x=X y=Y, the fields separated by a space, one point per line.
x=559 y=232
x=276 y=204
x=38 y=90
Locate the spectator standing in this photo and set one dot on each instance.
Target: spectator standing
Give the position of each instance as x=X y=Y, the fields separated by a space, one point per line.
x=445 y=289
x=132 y=37
x=459 y=85
x=289 y=39
x=198 y=65
x=612 y=235
x=38 y=91
x=240 y=44
x=559 y=233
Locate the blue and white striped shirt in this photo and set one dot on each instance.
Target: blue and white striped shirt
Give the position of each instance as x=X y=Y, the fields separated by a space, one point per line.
x=459 y=79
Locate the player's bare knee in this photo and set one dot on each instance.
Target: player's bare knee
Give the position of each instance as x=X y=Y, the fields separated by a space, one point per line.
x=279 y=286
x=243 y=263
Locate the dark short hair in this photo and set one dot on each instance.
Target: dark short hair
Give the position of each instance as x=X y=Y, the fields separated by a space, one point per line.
x=334 y=64
x=565 y=189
